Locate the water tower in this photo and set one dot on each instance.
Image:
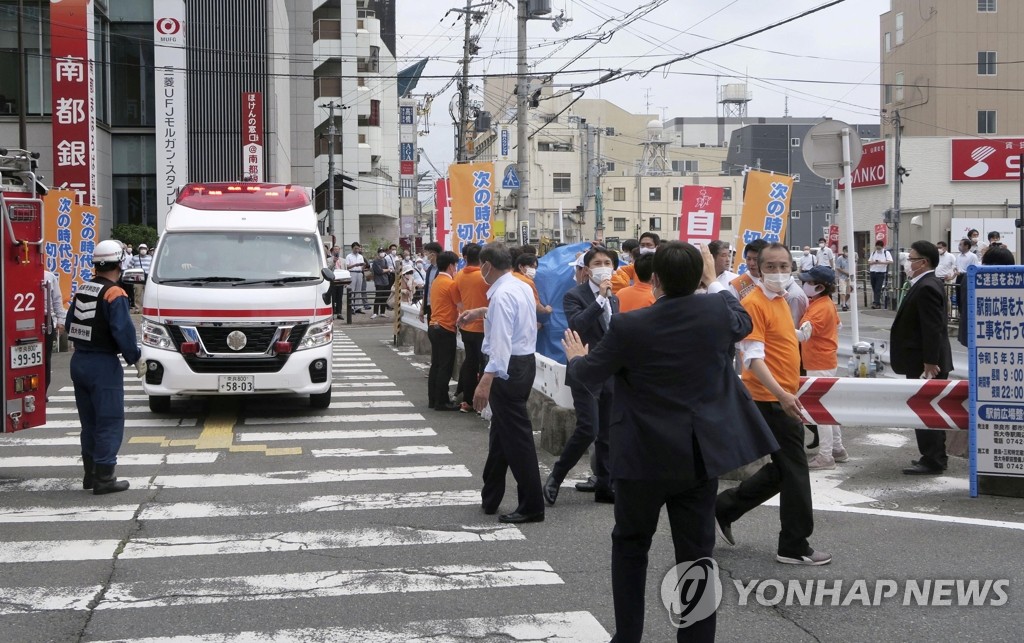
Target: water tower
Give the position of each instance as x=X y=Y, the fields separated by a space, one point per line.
x=734 y=98
x=654 y=161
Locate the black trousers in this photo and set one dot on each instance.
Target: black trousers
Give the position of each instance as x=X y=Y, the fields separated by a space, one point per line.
x=472 y=364
x=129 y=290
x=691 y=511
x=930 y=443
x=593 y=417
x=380 y=299
x=877 y=284
x=511 y=440
x=51 y=337
x=442 y=363
x=338 y=294
x=787 y=475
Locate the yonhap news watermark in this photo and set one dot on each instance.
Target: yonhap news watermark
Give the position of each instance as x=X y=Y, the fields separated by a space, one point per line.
x=692 y=591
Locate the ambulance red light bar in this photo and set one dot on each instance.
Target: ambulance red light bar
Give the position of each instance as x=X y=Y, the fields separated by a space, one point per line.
x=243 y=196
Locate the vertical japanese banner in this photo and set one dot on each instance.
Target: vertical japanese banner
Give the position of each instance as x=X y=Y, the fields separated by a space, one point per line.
x=765 y=211
x=833 y=238
x=442 y=214
x=701 y=214
x=74 y=97
x=472 y=197
x=252 y=136
x=171 y=125
x=881 y=234
x=71 y=237
x=407 y=167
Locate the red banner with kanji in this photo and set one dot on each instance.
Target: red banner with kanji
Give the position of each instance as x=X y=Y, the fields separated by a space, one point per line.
x=74 y=98
x=701 y=215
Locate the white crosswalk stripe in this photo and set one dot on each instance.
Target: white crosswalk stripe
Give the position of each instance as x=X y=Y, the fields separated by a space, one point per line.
x=387 y=463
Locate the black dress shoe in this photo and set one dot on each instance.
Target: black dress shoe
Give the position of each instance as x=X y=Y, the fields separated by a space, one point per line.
x=919 y=469
x=550 y=489
x=517 y=518
x=587 y=487
x=607 y=496
x=447 y=407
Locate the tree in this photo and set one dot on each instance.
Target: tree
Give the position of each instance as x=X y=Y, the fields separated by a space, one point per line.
x=134 y=234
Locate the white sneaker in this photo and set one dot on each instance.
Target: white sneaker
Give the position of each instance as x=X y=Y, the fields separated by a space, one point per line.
x=812 y=558
x=840 y=455
x=373 y=316
x=821 y=461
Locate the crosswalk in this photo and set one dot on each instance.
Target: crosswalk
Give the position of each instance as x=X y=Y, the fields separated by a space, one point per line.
x=375 y=519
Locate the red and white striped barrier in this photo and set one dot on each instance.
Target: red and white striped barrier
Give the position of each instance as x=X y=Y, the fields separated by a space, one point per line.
x=918 y=404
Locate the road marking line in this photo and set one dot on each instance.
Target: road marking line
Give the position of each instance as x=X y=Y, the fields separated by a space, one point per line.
x=346 y=419
x=396 y=451
x=556 y=627
x=218 y=433
x=323 y=584
x=358 y=377
x=126 y=459
x=340 y=434
x=128 y=424
x=361 y=384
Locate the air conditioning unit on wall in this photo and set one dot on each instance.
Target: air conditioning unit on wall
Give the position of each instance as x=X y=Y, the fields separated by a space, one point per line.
x=512 y=236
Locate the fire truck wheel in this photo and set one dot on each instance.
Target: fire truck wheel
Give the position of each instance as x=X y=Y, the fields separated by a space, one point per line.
x=319 y=400
x=159 y=403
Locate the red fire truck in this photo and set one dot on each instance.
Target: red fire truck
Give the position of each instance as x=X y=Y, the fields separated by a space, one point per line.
x=21 y=255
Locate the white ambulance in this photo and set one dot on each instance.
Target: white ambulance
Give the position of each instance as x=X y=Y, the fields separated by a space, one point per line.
x=238 y=301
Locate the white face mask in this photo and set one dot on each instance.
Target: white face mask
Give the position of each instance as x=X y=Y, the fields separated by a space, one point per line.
x=777 y=282
x=812 y=290
x=647 y=251
x=143 y=251
x=597 y=275
x=531 y=272
x=907 y=266
x=942 y=251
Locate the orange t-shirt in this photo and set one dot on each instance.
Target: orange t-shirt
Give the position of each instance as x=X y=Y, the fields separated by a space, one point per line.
x=443 y=301
x=639 y=295
x=471 y=292
x=773 y=327
x=623 y=277
x=529 y=282
x=819 y=351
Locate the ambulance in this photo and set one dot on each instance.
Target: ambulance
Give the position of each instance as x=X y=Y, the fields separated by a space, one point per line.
x=238 y=301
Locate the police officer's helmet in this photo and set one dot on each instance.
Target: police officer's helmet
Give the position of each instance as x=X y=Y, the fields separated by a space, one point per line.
x=107 y=255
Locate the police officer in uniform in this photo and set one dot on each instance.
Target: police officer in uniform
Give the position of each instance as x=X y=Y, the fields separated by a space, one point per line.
x=100 y=327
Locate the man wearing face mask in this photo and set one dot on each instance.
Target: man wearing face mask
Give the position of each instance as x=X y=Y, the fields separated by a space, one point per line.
x=526 y=272
x=771 y=359
x=919 y=344
x=747 y=282
x=145 y=261
x=589 y=309
x=946 y=269
x=825 y=255
x=626 y=275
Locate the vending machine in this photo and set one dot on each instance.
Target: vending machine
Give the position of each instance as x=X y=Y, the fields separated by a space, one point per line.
x=21 y=255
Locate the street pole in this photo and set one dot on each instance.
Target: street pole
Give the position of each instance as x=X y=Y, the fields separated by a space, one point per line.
x=896 y=196
x=848 y=194
x=522 y=133
x=22 y=80
x=462 y=154
x=330 y=177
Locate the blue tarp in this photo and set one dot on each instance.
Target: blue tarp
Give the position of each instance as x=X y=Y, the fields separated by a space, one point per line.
x=555 y=277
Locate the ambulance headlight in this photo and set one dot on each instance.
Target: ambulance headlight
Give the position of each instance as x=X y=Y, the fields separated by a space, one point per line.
x=317 y=334
x=156 y=336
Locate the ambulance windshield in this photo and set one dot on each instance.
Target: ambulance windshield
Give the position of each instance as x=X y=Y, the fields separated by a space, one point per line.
x=227 y=259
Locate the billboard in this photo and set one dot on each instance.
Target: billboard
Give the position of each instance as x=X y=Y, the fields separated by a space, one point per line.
x=985 y=159
x=171 y=128
x=872 y=169
x=73 y=83
x=252 y=136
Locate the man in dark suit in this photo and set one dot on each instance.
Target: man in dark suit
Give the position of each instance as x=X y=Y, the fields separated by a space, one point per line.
x=588 y=311
x=680 y=419
x=919 y=344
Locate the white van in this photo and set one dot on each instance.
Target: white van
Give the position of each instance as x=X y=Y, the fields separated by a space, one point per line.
x=238 y=300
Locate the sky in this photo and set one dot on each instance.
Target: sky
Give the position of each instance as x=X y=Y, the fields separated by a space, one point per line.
x=835 y=51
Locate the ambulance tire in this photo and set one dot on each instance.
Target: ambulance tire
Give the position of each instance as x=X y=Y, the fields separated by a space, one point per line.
x=159 y=403
x=320 y=400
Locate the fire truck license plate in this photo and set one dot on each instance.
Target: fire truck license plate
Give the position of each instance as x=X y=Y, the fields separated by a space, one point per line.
x=236 y=383
x=27 y=355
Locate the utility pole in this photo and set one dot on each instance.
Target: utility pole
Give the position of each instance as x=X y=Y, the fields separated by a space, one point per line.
x=463 y=155
x=522 y=131
x=330 y=176
x=896 y=195
x=22 y=80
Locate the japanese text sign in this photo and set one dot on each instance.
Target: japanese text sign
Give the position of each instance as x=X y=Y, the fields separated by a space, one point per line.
x=74 y=97
x=871 y=169
x=171 y=122
x=472 y=202
x=765 y=211
x=995 y=332
x=701 y=214
x=71 y=237
x=252 y=136
x=985 y=159
x=881 y=234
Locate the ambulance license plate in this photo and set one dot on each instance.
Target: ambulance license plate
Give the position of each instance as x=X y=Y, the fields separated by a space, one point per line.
x=26 y=355
x=236 y=383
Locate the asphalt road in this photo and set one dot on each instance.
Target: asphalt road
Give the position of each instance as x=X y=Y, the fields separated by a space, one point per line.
x=260 y=519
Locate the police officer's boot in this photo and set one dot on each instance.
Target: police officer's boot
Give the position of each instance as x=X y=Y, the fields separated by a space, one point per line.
x=88 y=465
x=104 y=480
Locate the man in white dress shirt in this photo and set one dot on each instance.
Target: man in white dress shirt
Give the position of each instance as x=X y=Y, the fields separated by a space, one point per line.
x=510 y=341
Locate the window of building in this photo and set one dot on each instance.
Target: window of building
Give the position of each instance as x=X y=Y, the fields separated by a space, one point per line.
x=794 y=214
x=609 y=131
x=373 y=62
x=887 y=94
x=654 y=194
x=794 y=142
x=609 y=166
x=554 y=146
x=675 y=224
x=986 y=63
x=132 y=75
x=677 y=194
x=987 y=121
x=727 y=194
x=36 y=37
x=619 y=225
x=987 y=6
x=684 y=166
x=897 y=92
x=561 y=182
x=375 y=113
x=726 y=223
x=133 y=162
x=654 y=224
x=899 y=28
x=888 y=41
x=618 y=194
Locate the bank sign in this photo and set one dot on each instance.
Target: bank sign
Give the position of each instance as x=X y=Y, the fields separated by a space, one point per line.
x=991 y=159
x=871 y=169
